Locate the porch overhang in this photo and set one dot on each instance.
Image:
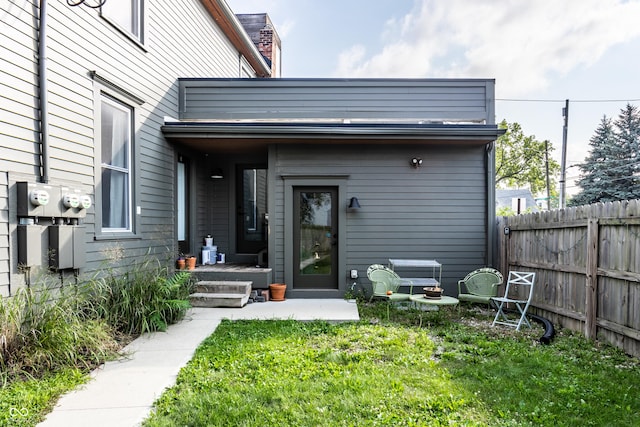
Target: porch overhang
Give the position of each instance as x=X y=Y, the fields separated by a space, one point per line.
x=240 y=135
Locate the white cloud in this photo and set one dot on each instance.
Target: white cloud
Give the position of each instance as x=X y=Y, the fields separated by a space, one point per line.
x=523 y=44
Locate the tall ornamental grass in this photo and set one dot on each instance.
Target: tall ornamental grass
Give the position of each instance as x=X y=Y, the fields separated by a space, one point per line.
x=144 y=299
x=51 y=336
x=44 y=329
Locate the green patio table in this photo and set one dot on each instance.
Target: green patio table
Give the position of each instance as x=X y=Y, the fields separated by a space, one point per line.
x=436 y=302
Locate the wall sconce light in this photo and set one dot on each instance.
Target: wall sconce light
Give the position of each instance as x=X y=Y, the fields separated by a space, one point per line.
x=416 y=162
x=96 y=5
x=354 y=203
x=217 y=173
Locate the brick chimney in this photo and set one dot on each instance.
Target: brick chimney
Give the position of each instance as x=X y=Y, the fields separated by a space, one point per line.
x=264 y=35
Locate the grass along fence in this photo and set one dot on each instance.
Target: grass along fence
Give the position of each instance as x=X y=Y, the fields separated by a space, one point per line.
x=587 y=261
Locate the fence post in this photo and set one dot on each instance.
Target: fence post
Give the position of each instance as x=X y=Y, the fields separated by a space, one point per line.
x=591 y=303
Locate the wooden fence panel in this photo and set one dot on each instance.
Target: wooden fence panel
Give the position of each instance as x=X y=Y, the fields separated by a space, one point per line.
x=587 y=261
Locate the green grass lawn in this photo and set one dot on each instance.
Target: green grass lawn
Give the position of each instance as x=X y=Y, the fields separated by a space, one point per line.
x=454 y=370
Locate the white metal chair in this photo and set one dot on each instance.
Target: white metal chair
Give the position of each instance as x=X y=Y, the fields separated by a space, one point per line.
x=519 y=291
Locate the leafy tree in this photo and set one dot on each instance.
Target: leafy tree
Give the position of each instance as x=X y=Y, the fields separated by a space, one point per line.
x=610 y=171
x=509 y=211
x=520 y=161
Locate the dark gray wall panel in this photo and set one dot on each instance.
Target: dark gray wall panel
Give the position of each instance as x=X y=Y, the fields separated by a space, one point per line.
x=437 y=211
x=368 y=99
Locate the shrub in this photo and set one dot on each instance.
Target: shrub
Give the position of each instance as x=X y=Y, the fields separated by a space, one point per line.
x=44 y=329
x=144 y=299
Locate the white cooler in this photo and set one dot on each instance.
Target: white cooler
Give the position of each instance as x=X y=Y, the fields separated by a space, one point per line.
x=209 y=255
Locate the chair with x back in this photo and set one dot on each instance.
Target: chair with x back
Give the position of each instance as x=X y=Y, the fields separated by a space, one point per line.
x=519 y=291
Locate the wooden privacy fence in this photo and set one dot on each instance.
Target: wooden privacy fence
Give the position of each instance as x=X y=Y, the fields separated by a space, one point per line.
x=587 y=261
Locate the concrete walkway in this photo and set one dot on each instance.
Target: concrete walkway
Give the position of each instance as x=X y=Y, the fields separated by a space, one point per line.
x=121 y=393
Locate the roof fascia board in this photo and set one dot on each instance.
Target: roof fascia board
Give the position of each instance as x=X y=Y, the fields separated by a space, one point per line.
x=261 y=131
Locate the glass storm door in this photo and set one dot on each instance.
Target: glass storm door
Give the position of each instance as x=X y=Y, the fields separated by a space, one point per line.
x=251 y=236
x=182 y=202
x=315 y=228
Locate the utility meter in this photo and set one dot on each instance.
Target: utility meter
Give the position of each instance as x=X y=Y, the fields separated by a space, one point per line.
x=39 y=197
x=85 y=202
x=71 y=201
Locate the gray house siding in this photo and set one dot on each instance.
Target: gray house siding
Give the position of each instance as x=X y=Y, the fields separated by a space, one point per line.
x=216 y=201
x=18 y=87
x=358 y=137
x=437 y=211
x=4 y=234
x=181 y=39
x=403 y=100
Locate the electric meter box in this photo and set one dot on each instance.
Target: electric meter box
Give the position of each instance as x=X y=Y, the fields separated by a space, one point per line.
x=30 y=245
x=73 y=202
x=54 y=201
x=66 y=246
x=36 y=199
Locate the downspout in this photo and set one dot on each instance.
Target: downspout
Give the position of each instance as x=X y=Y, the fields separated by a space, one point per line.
x=42 y=92
x=491 y=203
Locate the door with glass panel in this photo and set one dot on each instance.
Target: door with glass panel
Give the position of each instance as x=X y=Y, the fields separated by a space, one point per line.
x=251 y=197
x=315 y=238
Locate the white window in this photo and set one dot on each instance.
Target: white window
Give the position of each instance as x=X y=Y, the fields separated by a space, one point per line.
x=126 y=14
x=116 y=156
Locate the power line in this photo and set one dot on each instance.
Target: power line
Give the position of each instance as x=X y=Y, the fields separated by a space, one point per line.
x=573 y=100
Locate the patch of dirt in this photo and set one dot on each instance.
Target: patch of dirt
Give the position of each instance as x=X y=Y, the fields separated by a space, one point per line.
x=480 y=317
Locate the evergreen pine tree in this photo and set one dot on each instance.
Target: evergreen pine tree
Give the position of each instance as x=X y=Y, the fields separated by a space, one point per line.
x=627 y=129
x=609 y=171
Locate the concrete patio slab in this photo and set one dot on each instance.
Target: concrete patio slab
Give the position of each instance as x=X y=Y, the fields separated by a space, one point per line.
x=121 y=393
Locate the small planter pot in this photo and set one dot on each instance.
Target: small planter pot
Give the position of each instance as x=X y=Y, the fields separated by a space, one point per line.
x=181 y=263
x=276 y=291
x=191 y=263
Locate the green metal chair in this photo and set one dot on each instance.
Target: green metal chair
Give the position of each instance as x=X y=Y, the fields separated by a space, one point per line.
x=383 y=280
x=480 y=286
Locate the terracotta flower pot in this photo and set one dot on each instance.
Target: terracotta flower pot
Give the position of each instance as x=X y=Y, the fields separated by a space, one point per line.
x=276 y=291
x=181 y=264
x=191 y=263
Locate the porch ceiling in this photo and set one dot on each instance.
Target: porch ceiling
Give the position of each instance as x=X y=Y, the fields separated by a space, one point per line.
x=242 y=136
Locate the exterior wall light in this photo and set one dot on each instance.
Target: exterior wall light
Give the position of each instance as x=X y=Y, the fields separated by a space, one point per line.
x=416 y=162
x=354 y=203
x=217 y=173
x=97 y=4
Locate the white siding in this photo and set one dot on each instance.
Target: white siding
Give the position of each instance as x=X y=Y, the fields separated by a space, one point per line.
x=181 y=40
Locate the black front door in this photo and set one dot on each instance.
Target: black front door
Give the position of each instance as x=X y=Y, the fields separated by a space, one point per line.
x=315 y=238
x=251 y=196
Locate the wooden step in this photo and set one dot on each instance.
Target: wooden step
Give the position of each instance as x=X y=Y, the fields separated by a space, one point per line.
x=220 y=293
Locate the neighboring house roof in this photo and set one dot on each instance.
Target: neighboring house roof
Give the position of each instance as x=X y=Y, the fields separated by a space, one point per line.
x=505 y=198
x=231 y=26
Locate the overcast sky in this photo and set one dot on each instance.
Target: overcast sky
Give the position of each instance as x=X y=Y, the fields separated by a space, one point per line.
x=540 y=52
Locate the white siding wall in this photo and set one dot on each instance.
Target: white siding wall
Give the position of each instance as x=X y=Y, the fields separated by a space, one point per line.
x=181 y=40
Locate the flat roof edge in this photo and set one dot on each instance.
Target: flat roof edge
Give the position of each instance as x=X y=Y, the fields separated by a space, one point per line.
x=257 y=130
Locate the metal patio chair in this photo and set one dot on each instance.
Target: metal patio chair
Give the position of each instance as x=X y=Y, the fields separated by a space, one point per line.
x=480 y=285
x=520 y=283
x=385 y=284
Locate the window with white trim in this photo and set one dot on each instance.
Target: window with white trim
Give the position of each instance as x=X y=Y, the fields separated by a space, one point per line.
x=116 y=139
x=126 y=14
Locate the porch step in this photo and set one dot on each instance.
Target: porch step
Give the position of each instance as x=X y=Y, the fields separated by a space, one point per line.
x=219 y=293
x=260 y=277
